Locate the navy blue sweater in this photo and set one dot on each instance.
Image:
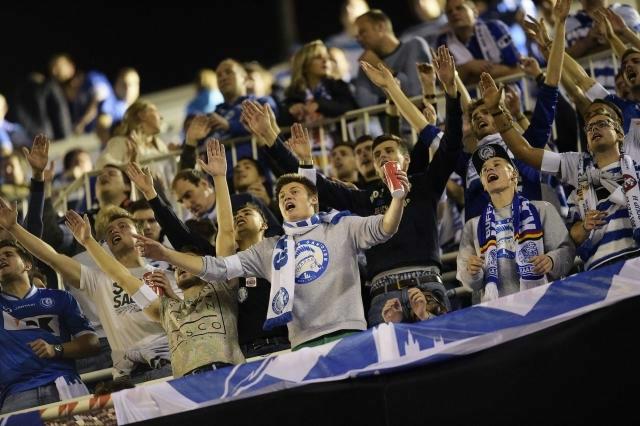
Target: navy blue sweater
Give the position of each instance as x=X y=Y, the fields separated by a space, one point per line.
x=416 y=242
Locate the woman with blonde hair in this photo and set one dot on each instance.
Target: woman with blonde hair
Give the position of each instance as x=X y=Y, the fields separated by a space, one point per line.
x=314 y=93
x=136 y=139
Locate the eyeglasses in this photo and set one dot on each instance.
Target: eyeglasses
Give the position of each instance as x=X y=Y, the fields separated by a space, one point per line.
x=599 y=124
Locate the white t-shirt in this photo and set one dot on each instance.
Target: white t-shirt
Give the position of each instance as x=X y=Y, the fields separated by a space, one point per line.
x=124 y=323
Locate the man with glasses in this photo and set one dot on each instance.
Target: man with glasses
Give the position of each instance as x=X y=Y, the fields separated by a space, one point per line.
x=605 y=205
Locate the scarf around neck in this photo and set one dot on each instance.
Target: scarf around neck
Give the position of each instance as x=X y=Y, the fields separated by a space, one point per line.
x=528 y=237
x=283 y=274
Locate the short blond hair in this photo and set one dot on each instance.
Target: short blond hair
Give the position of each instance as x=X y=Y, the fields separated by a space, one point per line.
x=108 y=214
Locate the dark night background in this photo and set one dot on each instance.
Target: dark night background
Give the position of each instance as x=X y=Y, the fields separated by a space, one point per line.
x=166 y=44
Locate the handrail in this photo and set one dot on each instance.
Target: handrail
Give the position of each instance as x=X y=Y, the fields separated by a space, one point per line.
x=360 y=113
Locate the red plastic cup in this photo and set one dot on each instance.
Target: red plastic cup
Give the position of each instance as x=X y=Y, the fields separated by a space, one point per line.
x=391 y=176
x=146 y=278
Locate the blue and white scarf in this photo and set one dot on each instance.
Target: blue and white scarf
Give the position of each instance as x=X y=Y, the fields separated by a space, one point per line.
x=283 y=274
x=528 y=238
x=628 y=195
x=487 y=43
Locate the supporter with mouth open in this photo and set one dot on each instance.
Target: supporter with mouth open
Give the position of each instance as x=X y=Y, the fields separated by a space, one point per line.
x=516 y=244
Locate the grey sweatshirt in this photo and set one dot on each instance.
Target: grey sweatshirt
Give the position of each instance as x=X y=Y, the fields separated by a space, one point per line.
x=557 y=245
x=329 y=299
x=402 y=63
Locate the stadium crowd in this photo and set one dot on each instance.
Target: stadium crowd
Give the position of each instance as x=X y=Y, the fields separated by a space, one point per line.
x=306 y=237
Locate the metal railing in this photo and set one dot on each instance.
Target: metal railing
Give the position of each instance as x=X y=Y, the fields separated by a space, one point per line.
x=363 y=115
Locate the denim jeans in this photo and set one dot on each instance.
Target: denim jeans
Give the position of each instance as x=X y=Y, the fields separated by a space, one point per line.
x=30 y=398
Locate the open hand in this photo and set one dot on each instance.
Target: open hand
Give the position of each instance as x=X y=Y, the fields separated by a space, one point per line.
x=300 y=142
x=379 y=75
x=561 y=10
x=490 y=93
x=79 y=227
x=142 y=179
x=8 y=214
x=199 y=128
x=216 y=164
x=38 y=156
x=445 y=69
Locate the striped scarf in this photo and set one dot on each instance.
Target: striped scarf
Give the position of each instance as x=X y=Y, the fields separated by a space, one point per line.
x=283 y=274
x=528 y=238
x=628 y=195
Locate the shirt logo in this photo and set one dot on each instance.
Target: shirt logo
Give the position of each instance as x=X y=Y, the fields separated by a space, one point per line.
x=47 y=302
x=486 y=152
x=312 y=258
x=629 y=182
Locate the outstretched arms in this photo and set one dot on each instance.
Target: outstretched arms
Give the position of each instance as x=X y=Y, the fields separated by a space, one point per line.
x=67 y=267
x=216 y=166
x=494 y=100
x=81 y=229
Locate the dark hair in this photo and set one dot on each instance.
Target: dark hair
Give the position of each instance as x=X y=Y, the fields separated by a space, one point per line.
x=255 y=162
x=345 y=144
x=255 y=208
x=125 y=176
x=473 y=105
x=362 y=139
x=37 y=273
x=22 y=252
x=70 y=157
x=203 y=227
x=609 y=105
x=377 y=16
x=193 y=250
x=402 y=147
x=294 y=177
x=140 y=204
x=190 y=175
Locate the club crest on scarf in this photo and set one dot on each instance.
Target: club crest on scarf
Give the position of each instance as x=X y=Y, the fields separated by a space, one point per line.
x=312 y=258
x=280 y=300
x=527 y=242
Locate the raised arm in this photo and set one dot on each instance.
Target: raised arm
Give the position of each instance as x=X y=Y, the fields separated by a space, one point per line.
x=381 y=76
x=494 y=100
x=156 y=251
x=64 y=265
x=176 y=231
x=393 y=215
x=605 y=20
x=216 y=166
x=556 y=52
x=199 y=127
x=37 y=157
x=81 y=229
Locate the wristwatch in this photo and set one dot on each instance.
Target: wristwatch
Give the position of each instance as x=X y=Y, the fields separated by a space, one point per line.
x=58 y=350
